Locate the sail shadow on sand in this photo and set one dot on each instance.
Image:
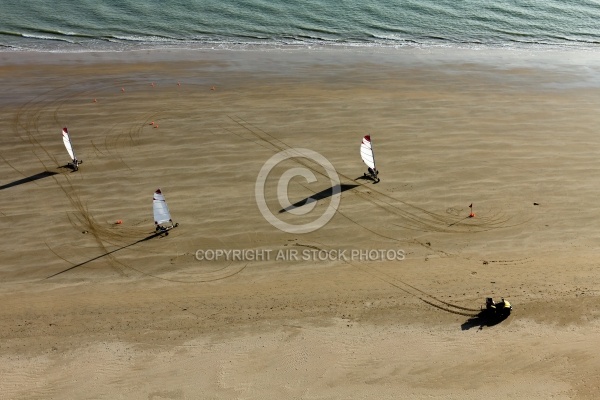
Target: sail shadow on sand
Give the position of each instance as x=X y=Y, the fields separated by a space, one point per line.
x=31 y=178
x=222 y=273
x=337 y=189
x=153 y=235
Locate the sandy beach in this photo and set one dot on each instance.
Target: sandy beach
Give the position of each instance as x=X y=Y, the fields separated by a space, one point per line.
x=380 y=302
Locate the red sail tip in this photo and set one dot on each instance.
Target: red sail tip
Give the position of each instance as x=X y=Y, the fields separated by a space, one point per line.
x=368 y=137
x=158 y=191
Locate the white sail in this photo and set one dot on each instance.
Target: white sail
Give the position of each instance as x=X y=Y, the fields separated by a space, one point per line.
x=67 y=142
x=161 y=211
x=366 y=152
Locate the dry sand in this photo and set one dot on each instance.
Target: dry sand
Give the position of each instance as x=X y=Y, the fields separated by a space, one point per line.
x=90 y=310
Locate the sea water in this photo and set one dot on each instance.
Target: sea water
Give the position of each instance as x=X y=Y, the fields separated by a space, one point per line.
x=121 y=25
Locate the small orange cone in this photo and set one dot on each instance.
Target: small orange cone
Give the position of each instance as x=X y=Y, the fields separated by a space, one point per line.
x=213 y=88
x=122 y=89
x=151 y=123
x=94 y=100
x=178 y=84
x=156 y=126
x=119 y=222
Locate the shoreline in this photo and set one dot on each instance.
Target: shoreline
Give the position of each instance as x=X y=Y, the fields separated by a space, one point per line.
x=485 y=55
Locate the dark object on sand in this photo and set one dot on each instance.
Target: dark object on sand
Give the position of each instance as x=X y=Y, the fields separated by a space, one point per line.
x=498 y=310
x=492 y=314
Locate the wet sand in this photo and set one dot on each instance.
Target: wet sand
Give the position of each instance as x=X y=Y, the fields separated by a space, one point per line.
x=95 y=309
